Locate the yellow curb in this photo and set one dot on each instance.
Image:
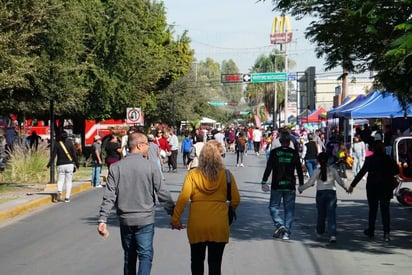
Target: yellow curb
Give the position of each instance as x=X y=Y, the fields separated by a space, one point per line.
x=24 y=207
x=30 y=205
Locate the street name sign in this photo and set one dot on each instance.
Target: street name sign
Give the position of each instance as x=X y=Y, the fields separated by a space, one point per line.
x=265 y=77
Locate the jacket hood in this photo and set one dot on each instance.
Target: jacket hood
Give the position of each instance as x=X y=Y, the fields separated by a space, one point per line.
x=205 y=185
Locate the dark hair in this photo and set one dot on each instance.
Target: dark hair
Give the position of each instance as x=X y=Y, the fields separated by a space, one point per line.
x=284 y=138
x=64 y=135
x=378 y=146
x=323 y=161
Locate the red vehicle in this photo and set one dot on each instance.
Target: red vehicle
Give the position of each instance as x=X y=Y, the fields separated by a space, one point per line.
x=92 y=128
x=104 y=128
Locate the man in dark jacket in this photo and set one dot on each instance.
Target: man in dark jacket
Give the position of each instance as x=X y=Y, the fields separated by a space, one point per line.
x=283 y=161
x=379 y=189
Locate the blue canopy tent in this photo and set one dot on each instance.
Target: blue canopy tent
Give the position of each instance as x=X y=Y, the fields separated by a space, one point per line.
x=348 y=103
x=369 y=99
x=384 y=106
x=376 y=105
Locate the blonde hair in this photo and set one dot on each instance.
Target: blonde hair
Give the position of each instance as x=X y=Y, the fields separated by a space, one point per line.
x=211 y=160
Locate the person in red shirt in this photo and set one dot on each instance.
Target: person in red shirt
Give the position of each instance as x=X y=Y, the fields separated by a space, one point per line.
x=163 y=144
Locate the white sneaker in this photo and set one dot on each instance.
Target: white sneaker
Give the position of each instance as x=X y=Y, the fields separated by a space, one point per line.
x=237 y=165
x=99 y=186
x=241 y=165
x=332 y=239
x=285 y=237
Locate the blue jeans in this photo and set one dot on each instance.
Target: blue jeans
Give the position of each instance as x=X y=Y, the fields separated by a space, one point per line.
x=311 y=165
x=288 y=197
x=137 y=242
x=249 y=144
x=326 y=206
x=96 y=171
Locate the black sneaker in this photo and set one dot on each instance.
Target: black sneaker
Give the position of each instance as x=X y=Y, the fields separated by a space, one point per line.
x=368 y=233
x=279 y=231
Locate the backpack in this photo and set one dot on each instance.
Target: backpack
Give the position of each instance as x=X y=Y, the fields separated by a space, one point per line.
x=240 y=143
x=187 y=145
x=192 y=153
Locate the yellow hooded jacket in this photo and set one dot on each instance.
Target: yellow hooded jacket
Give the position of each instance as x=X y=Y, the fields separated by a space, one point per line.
x=208 y=211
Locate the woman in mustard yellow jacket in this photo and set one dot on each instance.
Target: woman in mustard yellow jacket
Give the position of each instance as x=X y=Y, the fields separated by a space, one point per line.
x=208 y=225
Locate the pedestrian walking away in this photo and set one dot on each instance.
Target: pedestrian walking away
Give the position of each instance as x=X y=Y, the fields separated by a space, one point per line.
x=97 y=160
x=208 y=223
x=282 y=163
x=65 y=164
x=257 y=138
x=131 y=187
x=187 y=145
x=241 y=143
x=326 y=200
x=358 y=154
x=381 y=169
x=309 y=154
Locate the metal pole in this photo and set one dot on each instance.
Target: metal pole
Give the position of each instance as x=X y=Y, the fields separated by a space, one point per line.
x=286 y=86
x=52 y=142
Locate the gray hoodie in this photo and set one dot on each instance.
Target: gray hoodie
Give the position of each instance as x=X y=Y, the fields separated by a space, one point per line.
x=131 y=187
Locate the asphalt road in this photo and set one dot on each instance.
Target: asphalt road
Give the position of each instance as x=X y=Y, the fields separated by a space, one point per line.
x=62 y=238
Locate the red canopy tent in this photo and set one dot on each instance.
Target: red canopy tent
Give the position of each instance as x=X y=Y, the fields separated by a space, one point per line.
x=316 y=116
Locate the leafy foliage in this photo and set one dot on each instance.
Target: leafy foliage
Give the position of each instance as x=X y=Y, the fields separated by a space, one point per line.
x=361 y=35
x=92 y=58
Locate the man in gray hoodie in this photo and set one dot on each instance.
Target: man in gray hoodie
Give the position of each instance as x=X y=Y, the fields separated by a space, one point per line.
x=131 y=187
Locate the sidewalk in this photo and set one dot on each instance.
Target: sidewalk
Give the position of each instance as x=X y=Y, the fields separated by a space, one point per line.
x=32 y=202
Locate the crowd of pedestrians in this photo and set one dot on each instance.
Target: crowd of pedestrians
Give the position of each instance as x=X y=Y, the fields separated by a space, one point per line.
x=137 y=165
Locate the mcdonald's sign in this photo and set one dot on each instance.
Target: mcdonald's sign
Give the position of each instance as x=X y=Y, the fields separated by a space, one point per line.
x=281 y=30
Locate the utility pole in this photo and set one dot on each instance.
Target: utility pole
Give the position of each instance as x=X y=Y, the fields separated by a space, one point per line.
x=52 y=141
x=286 y=83
x=344 y=85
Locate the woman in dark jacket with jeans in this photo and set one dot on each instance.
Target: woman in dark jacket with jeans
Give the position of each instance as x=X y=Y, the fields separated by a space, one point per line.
x=379 y=189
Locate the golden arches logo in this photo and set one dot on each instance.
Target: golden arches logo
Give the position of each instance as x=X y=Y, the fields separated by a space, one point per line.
x=281 y=30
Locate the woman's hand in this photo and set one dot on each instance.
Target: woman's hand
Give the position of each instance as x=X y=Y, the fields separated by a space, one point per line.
x=177 y=226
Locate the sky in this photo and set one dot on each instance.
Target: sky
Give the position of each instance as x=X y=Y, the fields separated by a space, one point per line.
x=239 y=30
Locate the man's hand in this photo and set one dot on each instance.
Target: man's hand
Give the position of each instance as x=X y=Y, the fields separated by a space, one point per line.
x=349 y=190
x=265 y=187
x=102 y=229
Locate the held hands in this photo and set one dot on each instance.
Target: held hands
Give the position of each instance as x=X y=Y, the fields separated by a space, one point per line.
x=178 y=226
x=349 y=190
x=265 y=187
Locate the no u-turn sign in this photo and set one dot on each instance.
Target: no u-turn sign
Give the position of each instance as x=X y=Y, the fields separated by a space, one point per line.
x=134 y=116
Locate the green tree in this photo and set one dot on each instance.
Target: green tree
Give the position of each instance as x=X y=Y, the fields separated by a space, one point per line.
x=361 y=35
x=232 y=91
x=135 y=58
x=93 y=58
